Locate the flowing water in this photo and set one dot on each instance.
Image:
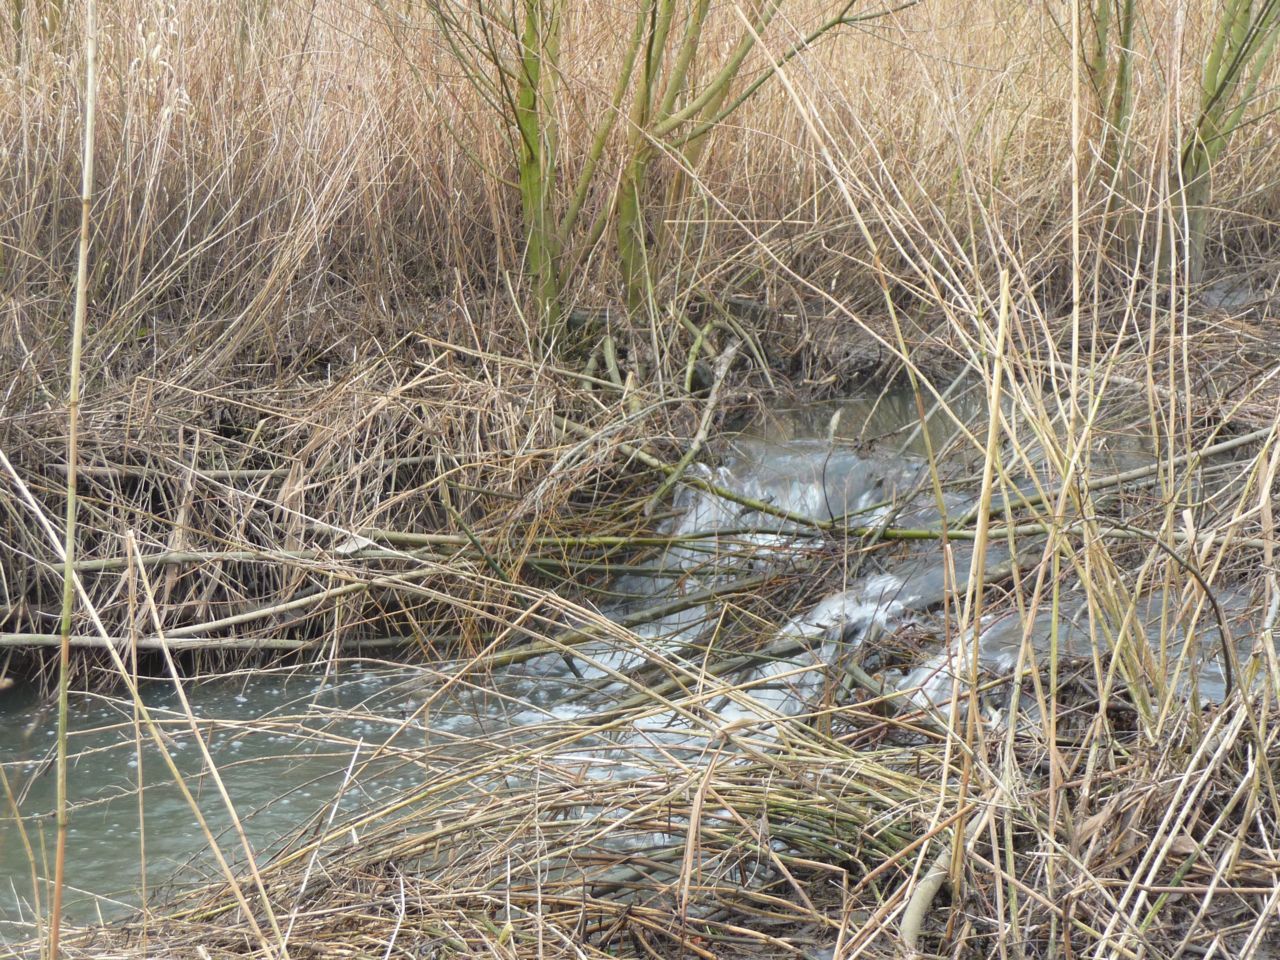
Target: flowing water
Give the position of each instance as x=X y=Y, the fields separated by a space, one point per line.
x=299 y=750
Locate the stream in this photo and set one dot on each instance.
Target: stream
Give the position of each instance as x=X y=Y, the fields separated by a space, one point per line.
x=299 y=749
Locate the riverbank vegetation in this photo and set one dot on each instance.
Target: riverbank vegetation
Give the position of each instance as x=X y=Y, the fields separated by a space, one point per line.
x=405 y=321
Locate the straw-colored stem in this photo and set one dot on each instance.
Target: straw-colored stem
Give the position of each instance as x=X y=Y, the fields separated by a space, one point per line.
x=73 y=427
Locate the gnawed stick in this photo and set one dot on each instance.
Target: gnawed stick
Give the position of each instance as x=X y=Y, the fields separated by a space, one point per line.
x=699 y=438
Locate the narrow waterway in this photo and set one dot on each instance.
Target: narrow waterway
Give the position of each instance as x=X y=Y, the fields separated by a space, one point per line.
x=297 y=750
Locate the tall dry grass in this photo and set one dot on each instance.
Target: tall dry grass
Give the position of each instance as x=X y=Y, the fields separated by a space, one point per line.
x=254 y=158
x=284 y=193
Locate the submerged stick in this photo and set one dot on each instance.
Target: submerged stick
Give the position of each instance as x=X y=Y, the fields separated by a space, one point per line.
x=186 y=638
x=207 y=644
x=410 y=539
x=418 y=541
x=927 y=890
x=790 y=645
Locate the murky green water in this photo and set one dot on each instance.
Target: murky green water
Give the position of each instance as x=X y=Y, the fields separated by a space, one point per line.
x=282 y=744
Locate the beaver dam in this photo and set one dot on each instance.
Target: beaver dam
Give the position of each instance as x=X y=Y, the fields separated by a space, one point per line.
x=656 y=479
x=764 y=723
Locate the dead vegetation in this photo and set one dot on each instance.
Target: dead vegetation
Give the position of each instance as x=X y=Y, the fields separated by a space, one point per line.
x=318 y=418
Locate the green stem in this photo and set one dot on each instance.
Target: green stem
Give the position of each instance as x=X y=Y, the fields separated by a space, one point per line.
x=631 y=239
x=677 y=81
x=712 y=113
x=536 y=168
x=760 y=18
x=1243 y=43
x=633 y=256
x=606 y=125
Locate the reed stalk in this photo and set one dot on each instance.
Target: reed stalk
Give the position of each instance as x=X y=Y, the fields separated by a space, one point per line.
x=73 y=426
